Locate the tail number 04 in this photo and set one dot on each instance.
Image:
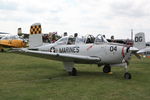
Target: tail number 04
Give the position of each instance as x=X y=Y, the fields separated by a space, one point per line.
x=113 y=48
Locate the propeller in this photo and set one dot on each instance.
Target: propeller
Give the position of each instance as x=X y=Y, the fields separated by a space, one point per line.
x=134 y=51
x=129 y=51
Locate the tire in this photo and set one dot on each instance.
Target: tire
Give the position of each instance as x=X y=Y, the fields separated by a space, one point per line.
x=107 y=69
x=127 y=75
x=2 y=50
x=70 y=73
x=73 y=72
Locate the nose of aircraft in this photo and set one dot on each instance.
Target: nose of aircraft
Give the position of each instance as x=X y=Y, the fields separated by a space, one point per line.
x=126 y=53
x=125 y=50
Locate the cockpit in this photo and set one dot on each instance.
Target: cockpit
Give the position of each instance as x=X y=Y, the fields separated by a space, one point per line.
x=100 y=39
x=89 y=39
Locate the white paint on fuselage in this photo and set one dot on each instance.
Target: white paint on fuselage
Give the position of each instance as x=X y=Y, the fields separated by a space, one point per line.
x=98 y=50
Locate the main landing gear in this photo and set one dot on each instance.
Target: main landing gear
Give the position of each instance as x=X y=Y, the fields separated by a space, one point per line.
x=69 y=66
x=106 y=69
x=73 y=72
x=1 y=49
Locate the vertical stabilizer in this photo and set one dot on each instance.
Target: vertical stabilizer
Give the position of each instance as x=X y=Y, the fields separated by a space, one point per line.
x=139 y=40
x=35 y=37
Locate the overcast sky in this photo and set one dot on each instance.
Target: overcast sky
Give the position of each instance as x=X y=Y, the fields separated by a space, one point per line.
x=109 y=17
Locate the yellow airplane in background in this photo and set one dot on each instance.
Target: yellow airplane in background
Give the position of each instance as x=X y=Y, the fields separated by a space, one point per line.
x=12 y=41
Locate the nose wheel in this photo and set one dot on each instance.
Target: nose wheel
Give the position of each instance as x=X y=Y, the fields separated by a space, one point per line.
x=127 y=75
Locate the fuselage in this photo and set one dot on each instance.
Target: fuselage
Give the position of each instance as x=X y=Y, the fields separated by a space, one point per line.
x=13 y=43
x=105 y=52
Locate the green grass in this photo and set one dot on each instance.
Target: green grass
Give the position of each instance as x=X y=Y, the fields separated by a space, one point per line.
x=29 y=78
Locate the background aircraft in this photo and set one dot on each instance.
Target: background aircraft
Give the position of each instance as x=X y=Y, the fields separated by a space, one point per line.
x=70 y=50
x=2 y=34
x=140 y=43
x=11 y=41
x=145 y=51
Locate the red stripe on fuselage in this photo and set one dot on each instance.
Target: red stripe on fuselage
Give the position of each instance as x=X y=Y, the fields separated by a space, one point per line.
x=123 y=54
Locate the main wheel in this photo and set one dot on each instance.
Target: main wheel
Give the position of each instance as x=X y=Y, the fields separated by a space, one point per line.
x=73 y=72
x=107 y=69
x=127 y=75
x=2 y=50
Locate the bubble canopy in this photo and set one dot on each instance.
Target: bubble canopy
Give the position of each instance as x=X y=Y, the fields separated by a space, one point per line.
x=70 y=40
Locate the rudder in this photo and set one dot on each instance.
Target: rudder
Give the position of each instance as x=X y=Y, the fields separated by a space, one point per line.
x=139 y=40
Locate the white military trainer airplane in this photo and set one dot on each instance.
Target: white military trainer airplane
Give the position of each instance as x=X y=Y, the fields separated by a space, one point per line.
x=71 y=50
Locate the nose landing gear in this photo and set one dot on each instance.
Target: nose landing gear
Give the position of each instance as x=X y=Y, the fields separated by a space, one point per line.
x=127 y=75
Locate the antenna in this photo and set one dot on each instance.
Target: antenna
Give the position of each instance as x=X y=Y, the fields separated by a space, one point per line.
x=132 y=34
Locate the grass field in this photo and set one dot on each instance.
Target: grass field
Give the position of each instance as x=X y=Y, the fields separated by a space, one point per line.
x=29 y=78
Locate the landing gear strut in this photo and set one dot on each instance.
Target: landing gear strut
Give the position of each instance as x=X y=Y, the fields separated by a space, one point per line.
x=69 y=66
x=127 y=75
x=107 y=69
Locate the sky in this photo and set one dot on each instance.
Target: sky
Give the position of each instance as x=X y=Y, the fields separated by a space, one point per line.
x=109 y=17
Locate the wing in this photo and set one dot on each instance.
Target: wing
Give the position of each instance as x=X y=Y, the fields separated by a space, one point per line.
x=145 y=51
x=58 y=56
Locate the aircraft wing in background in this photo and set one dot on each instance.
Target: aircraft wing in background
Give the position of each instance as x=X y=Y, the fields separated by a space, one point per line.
x=145 y=51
